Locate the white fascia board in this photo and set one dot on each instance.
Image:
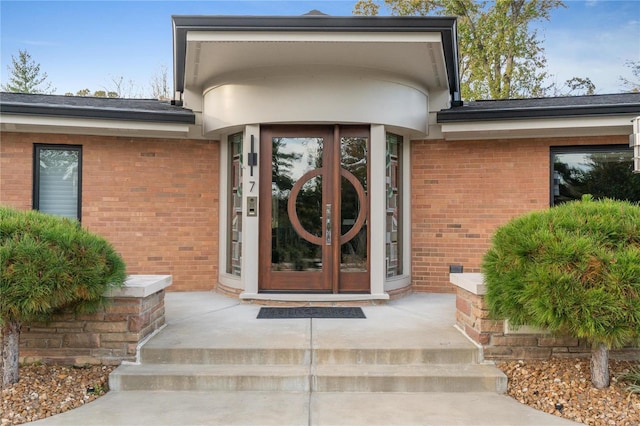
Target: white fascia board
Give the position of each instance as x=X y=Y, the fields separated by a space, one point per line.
x=304 y=36
x=11 y=122
x=567 y=126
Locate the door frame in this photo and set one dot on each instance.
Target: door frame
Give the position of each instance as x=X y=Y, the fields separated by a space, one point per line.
x=330 y=279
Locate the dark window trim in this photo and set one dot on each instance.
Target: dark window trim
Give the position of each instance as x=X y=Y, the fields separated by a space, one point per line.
x=577 y=149
x=37 y=147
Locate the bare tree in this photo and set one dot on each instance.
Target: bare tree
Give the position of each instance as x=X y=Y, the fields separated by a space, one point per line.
x=123 y=88
x=160 y=85
x=632 y=85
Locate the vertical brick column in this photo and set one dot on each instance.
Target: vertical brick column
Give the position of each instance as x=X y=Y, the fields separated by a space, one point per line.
x=472 y=314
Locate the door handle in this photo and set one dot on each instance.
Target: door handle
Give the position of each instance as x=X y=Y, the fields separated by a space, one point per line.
x=327 y=216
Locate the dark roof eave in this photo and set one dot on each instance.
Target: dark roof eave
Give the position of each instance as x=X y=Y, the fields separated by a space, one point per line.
x=96 y=113
x=445 y=25
x=460 y=115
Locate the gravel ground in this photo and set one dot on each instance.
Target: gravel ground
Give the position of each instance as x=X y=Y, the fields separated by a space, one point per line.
x=560 y=386
x=45 y=390
x=563 y=387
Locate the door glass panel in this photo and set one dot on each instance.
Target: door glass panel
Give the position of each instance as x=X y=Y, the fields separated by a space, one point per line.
x=291 y=159
x=353 y=252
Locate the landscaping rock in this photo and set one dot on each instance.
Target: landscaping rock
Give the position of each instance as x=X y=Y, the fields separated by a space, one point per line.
x=562 y=386
x=45 y=390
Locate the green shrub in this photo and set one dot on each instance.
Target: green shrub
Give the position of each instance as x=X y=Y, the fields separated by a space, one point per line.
x=573 y=269
x=49 y=263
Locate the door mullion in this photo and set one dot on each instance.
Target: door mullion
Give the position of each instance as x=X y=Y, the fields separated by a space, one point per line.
x=336 y=206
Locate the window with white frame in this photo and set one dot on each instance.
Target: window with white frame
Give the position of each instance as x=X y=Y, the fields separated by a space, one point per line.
x=57 y=182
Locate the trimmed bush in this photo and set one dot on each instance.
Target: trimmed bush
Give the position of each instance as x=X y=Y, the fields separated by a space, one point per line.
x=49 y=264
x=573 y=269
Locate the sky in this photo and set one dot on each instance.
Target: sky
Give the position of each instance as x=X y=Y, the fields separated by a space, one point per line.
x=92 y=44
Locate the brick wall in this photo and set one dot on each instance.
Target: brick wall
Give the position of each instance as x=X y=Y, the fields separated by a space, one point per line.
x=155 y=200
x=461 y=191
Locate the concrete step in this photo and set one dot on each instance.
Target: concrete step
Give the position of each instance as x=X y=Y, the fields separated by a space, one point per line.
x=409 y=378
x=280 y=356
x=203 y=377
x=402 y=356
x=241 y=356
x=319 y=378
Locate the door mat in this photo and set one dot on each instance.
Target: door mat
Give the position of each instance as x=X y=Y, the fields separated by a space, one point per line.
x=311 y=312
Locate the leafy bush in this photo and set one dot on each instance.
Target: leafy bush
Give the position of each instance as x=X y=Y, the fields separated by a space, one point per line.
x=573 y=269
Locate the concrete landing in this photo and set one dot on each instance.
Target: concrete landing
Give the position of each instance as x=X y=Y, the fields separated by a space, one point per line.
x=402 y=338
x=139 y=408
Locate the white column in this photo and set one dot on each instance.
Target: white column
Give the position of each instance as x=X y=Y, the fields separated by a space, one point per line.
x=377 y=191
x=250 y=228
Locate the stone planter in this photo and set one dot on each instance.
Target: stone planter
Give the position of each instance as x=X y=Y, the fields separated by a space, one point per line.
x=109 y=336
x=499 y=341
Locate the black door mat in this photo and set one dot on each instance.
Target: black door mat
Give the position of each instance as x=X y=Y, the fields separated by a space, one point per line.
x=311 y=312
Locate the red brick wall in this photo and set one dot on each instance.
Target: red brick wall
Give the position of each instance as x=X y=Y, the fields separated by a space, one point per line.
x=461 y=191
x=155 y=200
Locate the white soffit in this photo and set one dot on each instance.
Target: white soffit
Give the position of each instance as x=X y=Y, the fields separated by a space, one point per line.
x=531 y=128
x=418 y=57
x=28 y=123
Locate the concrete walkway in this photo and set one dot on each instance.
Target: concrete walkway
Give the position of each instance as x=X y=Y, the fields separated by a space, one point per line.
x=209 y=320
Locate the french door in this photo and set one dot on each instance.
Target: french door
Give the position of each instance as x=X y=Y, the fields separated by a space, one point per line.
x=314 y=234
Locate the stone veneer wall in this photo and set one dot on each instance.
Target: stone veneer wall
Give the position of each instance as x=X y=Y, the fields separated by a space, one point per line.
x=109 y=336
x=499 y=341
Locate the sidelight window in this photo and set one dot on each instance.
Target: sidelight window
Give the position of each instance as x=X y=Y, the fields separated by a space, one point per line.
x=394 y=205
x=234 y=237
